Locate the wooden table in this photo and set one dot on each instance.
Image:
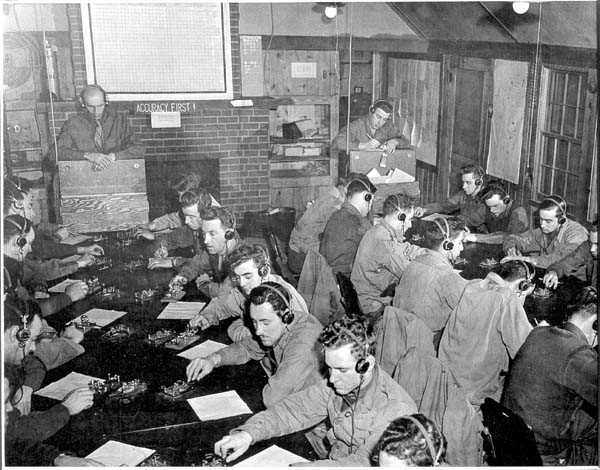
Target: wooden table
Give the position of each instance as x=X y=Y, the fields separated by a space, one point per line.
x=157 y=366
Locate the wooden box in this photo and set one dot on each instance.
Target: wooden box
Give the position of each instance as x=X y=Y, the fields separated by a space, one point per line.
x=362 y=161
x=97 y=201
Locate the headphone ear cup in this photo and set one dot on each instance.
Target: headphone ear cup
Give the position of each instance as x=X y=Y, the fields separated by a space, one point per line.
x=362 y=366
x=478 y=182
x=23 y=335
x=263 y=270
x=448 y=245
x=402 y=217
x=525 y=285
x=562 y=219
x=229 y=234
x=21 y=241
x=506 y=200
x=287 y=317
x=368 y=197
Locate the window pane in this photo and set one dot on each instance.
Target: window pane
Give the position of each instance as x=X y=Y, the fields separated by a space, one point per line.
x=569 y=124
x=572 y=88
x=559 y=182
x=555 y=118
x=561 y=154
x=559 y=88
x=549 y=151
x=571 y=193
x=580 y=123
x=546 y=180
x=575 y=158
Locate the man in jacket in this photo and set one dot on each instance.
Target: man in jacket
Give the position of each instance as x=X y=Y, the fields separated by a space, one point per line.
x=360 y=400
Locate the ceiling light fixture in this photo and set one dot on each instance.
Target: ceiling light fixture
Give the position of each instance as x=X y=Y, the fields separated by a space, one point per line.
x=330 y=11
x=520 y=7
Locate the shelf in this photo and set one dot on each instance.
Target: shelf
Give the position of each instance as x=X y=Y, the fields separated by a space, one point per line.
x=299 y=159
x=303 y=140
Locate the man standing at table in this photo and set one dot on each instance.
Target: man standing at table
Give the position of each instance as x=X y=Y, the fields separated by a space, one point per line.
x=98 y=133
x=503 y=216
x=557 y=236
x=359 y=400
x=374 y=131
x=249 y=267
x=470 y=207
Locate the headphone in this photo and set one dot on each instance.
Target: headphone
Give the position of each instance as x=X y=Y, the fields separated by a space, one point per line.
x=23 y=333
x=401 y=215
x=435 y=456
x=362 y=365
x=369 y=195
x=231 y=222
x=528 y=282
x=562 y=207
x=447 y=244
x=287 y=316
x=380 y=104
x=479 y=175
x=496 y=188
x=21 y=240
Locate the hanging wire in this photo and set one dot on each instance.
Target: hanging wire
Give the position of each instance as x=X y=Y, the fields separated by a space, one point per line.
x=349 y=78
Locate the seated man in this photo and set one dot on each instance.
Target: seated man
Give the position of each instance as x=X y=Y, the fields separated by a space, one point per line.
x=306 y=232
x=470 y=207
x=383 y=254
x=346 y=227
x=411 y=441
x=98 y=133
x=429 y=287
x=249 y=267
x=21 y=332
x=553 y=385
x=584 y=256
x=284 y=344
x=556 y=237
x=359 y=402
x=486 y=329
x=503 y=216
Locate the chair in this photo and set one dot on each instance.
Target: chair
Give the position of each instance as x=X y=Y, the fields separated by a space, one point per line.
x=349 y=298
x=508 y=441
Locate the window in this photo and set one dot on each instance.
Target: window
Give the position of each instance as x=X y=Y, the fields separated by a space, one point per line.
x=562 y=163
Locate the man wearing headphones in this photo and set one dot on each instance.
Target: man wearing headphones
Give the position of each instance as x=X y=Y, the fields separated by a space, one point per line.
x=359 y=400
x=383 y=254
x=553 y=385
x=556 y=237
x=346 y=227
x=471 y=209
x=249 y=267
x=429 y=287
x=486 y=329
x=503 y=216
x=283 y=343
x=98 y=133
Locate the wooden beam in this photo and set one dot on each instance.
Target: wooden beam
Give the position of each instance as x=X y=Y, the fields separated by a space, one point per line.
x=446 y=126
x=326 y=43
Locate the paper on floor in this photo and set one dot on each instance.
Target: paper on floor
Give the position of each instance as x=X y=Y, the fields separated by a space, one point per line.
x=118 y=454
x=181 y=310
x=100 y=316
x=61 y=388
x=273 y=456
x=202 y=350
x=219 y=405
x=62 y=286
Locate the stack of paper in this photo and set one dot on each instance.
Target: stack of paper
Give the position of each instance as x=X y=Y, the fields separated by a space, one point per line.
x=273 y=456
x=181 y=310
x=219 y=405
x=118 y=454
x=62 y=286
x=395 y=175
x=100 y=316
x=61 y=388
x=202 y=350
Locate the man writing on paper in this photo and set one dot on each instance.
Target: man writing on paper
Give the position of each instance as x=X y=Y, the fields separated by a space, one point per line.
x=374 y=131
x=359 y=400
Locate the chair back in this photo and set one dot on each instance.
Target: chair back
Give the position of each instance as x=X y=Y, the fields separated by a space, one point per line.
x=349 y=298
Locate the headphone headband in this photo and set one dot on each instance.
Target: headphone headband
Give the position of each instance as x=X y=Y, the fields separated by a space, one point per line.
x=435 y=456
x=369 y=194
x=558 y=202
x=287 y=317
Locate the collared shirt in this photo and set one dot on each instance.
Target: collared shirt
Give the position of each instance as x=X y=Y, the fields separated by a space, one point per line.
x=341 y=237
x=291 y=365
x=381 y=259
x=574 y=262
x=430 y=288
x=513 y=220
x=360 y=133
x=354 y=433
x=471 y=209
x=553 y=372
x=77 y=136
x=305 y=235
x=488 y=326
x=551 y=247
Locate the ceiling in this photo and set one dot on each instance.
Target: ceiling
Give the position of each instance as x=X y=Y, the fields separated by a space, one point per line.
x=563 y=23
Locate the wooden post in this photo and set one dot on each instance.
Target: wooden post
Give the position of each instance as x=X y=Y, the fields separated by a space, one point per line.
x=447 y=98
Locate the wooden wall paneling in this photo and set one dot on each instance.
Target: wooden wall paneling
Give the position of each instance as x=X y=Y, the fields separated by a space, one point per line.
x=448 y=95
x=587 y=142
x=124 y=176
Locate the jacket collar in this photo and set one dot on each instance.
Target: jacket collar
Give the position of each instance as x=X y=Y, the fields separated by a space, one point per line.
x=351 y=209
x=576 y=331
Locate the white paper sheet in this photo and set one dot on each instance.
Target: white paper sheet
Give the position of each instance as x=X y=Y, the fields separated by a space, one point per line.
x=181 y=310
x=62 y=286
x=70 y=259
x=75 y=239
x=202 y=350
x=61 y=388
x=118 y=454
x=219 y=405
x=273 y=456
x=101 y=317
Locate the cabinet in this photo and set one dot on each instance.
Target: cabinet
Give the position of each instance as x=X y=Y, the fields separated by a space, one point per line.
x=301 y=162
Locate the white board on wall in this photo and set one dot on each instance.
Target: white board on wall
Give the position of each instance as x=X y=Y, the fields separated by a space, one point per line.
x=159 y=51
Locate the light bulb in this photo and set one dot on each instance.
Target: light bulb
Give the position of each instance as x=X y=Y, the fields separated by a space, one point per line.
x=330 y=11
x=520 y=7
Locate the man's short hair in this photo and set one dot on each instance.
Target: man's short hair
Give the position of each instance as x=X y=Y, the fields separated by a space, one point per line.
x=222 y=213
x=494 y=187
x=344 y=180
x=359 y=185
x=346 y=331
x=585 y=303
x=404 y=440
x=397 y=202
x=384 y=105
x=200 y=196
x=16 y=225
x=244 y=253
x=90 y=87
x=476 y=170
x=15 y=190
x=553 y=202
x=190 y=182
x=433 y=236
x=513 y=270
x=280 y=300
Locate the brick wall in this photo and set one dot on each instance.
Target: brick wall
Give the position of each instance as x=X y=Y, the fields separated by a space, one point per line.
x=237 y=137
